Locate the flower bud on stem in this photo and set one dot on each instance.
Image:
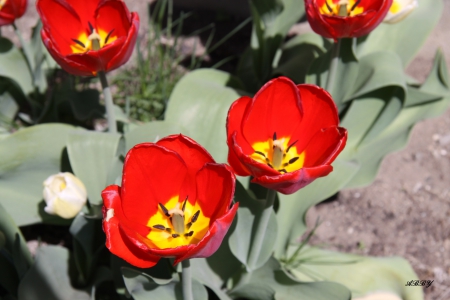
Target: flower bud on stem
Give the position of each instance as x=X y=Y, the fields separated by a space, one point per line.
x=186 y=280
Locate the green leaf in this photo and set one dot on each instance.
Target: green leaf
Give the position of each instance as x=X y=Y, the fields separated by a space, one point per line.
x=15 y=258
x=254 y=290
x=85 y=104
x=27 y=158
x=49 y=277
x=200 y=103
x=345 y=76
x=143 y=287
x=243 y=235
x=14 y=66
x=292 y=211
x=8 y=108
x=298 y=55
x=285 y=287
x=92 y=155
x=362 y=275
x=437 y=81
x=405 y=38
x=152 y=132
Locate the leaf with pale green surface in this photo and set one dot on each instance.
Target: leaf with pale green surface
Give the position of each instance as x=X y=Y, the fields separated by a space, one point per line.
x=200 y=103
x=91 y=156
x=243 y=235
x=361 y=274
x=25 y=162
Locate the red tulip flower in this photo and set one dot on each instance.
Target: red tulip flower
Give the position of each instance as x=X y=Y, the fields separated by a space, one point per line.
x=10 y=10
x=286 y=136
x=174 y=202
x=88 y=36
x=345 y=18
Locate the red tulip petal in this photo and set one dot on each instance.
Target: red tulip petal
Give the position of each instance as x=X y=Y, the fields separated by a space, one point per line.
x=264 y=116
x=85 y=9
x=116 y=242
x=215 y=190
x=289 y=183
x=12 y=10
x=113 y=15
x=319 y=111
x=325 y=146
x=6 y=18
x=127 y=49
x=233 y=159
x=213 y=238
x=151 y=175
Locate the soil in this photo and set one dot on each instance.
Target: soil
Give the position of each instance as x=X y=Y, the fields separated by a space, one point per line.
x=406 y=211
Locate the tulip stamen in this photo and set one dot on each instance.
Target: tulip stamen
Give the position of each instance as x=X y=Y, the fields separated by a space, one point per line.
x=355 y=5
x=175 y=235
x=262 y=154
x=274 y=138
x=282 y=170
x=91 y=28
x=190 y=233
x=79 y=43
x=162 y=227
x=329 y=7
x=107 y=37
x=293 y=160
x=164 y=209
x=290 y=146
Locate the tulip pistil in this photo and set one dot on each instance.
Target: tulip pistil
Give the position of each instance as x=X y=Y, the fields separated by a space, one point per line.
x=342 y=8
x=279 y=154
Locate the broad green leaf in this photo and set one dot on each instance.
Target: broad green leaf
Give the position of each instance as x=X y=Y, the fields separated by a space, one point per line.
x=14 y=66
x=243 y=236
x=361 y=274
x=152 y=132
x=292 y=211
x=437 y=81
x=298 y=54
x=143 y=287
x=49 y=277
x=91 y=156
x=378 y=70
x=15 y=258
x=345 y=76
x=285 y=287
x=405 y=37
x=260 y=291
x=8 y=108
x=27 y=158
x=200 y=103
x=88 y=241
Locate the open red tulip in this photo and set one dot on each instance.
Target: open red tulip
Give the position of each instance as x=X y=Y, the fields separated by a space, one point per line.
x=10 y=10
x=345 y=18
x=88 y=36
x=286 y=136
x=174 y=202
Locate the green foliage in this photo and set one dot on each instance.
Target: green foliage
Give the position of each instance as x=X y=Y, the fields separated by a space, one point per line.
x=361 y=274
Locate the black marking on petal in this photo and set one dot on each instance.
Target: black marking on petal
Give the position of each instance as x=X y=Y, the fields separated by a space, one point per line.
x=260 y=153
x=160 y=227
x=274 y=136
x=190 y=233
x=79 y=43
x=195 y=216
x=355 y=5
x=175 y=235
x=282 y=170
x=107 y=37
x=328 y=6
x=184 y=204
x=289 y=148
x=164 y=209
x=91 y=28
x=293 y=160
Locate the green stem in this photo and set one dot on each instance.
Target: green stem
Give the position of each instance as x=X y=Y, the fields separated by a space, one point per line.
x=262 y=227
x=25 y=51
x=186 y=280
x=331 y=78
x=109 y=104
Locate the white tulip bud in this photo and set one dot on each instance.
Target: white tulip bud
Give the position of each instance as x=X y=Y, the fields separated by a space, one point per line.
x=399 y=10
x=64 y=194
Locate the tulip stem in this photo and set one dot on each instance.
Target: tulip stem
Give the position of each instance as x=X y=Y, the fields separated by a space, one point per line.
x=333 y=66
x=261 y=228
x=109 y=104
x=186 y=280
x=26 y=52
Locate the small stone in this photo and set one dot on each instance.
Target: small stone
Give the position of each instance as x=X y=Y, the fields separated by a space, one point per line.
x=443 y=152
x=350 y=230
x=357 y=195
x=436 y=137
x=417 y=187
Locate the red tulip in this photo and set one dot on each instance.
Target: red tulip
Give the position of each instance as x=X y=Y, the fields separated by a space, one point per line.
x=286 y=136
x=10 y=10
x=345 y=18
x=88 y=36
x=174 y=202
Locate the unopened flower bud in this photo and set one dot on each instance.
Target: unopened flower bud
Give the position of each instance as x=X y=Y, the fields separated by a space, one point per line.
x=399 y=10
x=64 y=194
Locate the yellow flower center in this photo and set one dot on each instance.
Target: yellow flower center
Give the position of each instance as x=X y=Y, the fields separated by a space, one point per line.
x=395 y=7
x=2 y=3
x=173 y=226
x=95 y=41
x=279 y=154
x=343 y=8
